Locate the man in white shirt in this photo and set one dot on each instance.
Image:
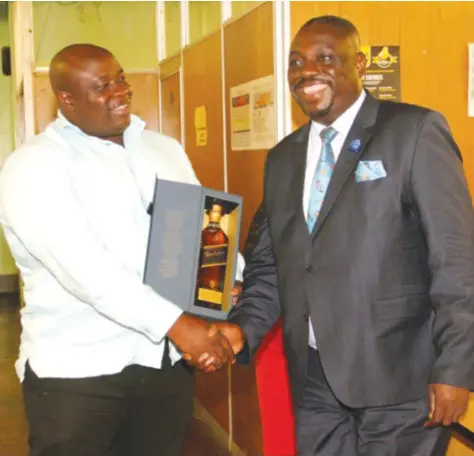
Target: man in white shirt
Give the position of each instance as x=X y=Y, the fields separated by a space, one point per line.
x=100 y=351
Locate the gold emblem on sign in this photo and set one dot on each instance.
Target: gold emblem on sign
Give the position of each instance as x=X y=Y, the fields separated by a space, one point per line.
x=384 y=59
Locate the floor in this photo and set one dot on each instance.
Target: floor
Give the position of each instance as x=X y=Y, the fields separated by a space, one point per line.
x=200 y=440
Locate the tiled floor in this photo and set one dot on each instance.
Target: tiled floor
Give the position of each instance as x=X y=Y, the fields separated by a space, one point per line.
x=200 y=440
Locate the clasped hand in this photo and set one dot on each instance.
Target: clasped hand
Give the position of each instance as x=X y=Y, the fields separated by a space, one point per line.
x=234 y=336
x=207 y=346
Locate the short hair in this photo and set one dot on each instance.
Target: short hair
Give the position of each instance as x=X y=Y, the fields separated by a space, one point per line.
x=335 y=21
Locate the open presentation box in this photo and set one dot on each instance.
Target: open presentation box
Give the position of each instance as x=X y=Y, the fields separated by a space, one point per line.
x=193 y=246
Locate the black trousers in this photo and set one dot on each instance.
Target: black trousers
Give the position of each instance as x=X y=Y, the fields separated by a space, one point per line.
x=138 y=412
x=325 y=427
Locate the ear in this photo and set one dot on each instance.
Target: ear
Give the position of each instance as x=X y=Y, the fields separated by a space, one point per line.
x=66 y=100
x=361 y=63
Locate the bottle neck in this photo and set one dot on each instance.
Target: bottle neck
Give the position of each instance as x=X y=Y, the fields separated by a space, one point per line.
x=215 y=220
x=215 y=215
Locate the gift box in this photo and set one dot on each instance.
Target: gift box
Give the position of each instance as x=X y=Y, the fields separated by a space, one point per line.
x=193 y=246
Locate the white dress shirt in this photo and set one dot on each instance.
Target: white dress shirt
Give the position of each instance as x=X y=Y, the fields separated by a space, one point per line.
x=342 y=125
x=74 y=212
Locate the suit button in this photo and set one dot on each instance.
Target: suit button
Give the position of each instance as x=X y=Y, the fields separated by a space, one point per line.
x=309 y=268
x=306 y=318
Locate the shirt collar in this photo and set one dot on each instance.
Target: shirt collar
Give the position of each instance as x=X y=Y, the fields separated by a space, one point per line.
x=344 y=122
x=135 y=129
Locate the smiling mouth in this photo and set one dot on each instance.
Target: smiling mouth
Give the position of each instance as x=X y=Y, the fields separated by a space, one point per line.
x=315 y=88
x=122 y=109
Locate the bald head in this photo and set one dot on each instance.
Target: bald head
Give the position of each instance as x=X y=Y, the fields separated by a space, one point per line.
x=91 y=90
x=71 y=60
x=345 y=26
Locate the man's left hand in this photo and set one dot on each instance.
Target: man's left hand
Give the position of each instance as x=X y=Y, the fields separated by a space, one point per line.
x=447 y=404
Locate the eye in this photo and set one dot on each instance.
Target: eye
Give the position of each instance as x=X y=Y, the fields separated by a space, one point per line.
x=325 y=59
x=295 y=63
x=101 y=86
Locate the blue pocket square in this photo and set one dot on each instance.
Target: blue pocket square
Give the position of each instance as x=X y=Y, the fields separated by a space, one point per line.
x=369 y=170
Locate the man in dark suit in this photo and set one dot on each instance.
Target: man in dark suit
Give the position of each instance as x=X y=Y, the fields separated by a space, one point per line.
x=367 y=252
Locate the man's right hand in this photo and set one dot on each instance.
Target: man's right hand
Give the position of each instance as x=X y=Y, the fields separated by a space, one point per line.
x=199 y=340
x=236 y=338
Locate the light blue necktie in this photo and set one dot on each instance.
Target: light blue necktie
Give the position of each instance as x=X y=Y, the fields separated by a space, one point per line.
x=322 y=176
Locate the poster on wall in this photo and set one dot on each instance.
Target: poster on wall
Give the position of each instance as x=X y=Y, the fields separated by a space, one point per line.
x=382 y=73
x=200 y=125
x=252 y=114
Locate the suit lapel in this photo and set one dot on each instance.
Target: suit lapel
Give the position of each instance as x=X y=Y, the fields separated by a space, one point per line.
x=299 y=153
x=361 y=130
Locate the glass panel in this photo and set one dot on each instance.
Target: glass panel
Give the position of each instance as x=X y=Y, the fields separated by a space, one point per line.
x=204 y=18
x=172 y=27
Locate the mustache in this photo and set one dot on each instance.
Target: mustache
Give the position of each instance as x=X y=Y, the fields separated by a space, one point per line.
x=301 y=81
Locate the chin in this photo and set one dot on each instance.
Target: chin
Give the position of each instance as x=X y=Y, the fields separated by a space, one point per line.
x=317 y=113
x=315 y=110
x=122 y=123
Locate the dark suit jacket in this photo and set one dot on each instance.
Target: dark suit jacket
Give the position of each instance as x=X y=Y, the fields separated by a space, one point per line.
x=387 y=275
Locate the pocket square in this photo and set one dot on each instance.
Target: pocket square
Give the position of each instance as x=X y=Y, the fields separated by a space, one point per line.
x=369 y=170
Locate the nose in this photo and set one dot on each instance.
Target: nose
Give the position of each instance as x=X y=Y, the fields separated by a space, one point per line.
x=307 y=71
x=311 y=68
x=121 y=89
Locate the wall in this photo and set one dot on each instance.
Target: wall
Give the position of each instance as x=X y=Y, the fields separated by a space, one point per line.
x=172 y=27
x=108 y=24
x=240 y=7
x=204 y=18
x=7 y=265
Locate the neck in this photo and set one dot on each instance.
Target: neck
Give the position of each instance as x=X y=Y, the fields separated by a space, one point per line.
x=336 y=111
x=116 y=139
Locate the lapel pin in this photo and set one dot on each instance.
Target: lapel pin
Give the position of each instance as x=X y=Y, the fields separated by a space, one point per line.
x=355 y=145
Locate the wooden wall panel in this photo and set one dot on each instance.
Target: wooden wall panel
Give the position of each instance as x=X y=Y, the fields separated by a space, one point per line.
x=202 y=74
x=144 y=102
x=433 y=37
x=248 y=55
x=248 y=51
x=171 y=106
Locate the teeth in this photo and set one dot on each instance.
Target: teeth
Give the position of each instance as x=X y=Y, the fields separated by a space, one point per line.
x=315 y=88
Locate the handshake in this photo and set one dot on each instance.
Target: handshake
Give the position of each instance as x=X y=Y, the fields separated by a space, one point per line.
x=207 y=346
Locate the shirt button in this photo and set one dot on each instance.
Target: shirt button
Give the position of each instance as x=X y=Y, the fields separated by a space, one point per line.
x=309 y=268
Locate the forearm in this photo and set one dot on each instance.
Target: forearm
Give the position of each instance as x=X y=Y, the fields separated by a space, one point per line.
x=442 y=199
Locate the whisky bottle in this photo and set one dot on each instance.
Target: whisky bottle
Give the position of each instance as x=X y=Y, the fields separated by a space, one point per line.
x=213 y=259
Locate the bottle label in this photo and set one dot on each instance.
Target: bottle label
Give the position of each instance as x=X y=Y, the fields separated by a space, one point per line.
x=214 y=255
